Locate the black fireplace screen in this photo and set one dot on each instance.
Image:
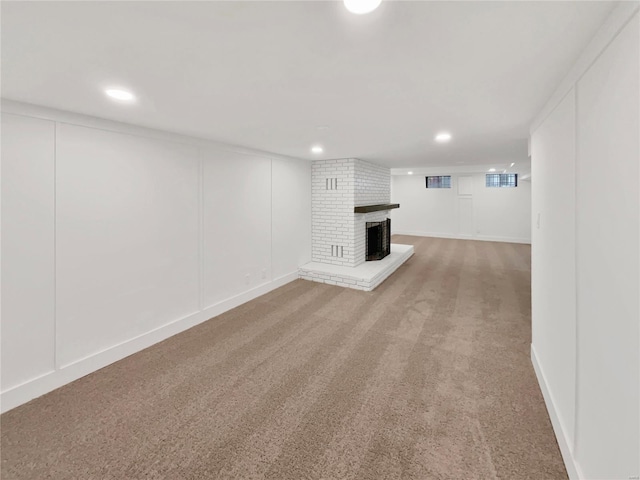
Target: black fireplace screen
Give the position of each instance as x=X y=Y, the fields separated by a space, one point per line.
x=378 y=239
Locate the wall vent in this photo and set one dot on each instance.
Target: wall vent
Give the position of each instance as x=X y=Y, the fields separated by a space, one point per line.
x=331 y=183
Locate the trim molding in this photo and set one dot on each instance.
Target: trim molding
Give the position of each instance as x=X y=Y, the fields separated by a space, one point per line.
x=615 y=22
x=62 y=116
x=573 y=469
x=38 y=386
x=455 y=236
x=523 y=167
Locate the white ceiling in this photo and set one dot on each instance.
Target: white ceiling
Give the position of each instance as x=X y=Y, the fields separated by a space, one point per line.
x=266 y=74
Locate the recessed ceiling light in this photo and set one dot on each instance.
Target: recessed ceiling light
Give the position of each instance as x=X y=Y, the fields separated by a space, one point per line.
x=360 y=7
x=443 y=137
x=317 y=149
x=118 y=94
x=512 y=164
x=492 y=169
x=410 y=173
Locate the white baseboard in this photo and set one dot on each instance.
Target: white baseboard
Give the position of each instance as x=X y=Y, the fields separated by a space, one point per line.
x=573 y=469
x=36 y=387
x=456 y=236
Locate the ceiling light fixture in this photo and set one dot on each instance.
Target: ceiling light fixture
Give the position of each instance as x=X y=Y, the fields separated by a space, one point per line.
x=410 y=173
x=492 y=169
x=443 y=137
x=122 y=95
x=512 y=164
x=360 y=7
x=317 y=149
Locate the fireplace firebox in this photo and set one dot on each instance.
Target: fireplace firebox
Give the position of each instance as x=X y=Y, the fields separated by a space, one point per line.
x=378 y=239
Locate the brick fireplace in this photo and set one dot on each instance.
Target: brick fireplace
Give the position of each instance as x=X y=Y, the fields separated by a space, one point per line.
x=338 y=234
x=346 y=196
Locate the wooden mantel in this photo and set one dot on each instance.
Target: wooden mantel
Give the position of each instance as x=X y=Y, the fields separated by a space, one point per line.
x=375 y=208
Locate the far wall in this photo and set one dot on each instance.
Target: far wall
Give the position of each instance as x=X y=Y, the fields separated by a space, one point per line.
x=466 y=210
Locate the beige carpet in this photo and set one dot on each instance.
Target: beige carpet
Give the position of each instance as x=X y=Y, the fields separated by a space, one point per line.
x=427 y=377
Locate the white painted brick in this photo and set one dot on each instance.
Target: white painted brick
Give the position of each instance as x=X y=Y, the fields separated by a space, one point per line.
x=333 y=220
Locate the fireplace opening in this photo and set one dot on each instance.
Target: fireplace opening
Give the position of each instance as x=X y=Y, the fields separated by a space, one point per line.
x=378 y=239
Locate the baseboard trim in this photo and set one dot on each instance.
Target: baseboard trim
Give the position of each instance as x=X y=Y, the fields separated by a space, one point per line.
x=456 y=236
x=573 y=469
x=48 y=382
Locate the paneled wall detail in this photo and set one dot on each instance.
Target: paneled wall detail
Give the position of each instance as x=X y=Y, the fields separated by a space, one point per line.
x=28 y=249
x=116 y=237
x=586 y=255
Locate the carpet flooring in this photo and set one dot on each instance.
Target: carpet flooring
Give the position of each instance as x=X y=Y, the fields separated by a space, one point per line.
x=427 y=377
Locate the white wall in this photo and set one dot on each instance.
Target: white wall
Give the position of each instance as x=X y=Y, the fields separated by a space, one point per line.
x=553 y=257
x=236 y=187
x=28 y=286
x=115 y=237
x=126 y=238
x=291 y=222
x=608 y=242
x=585 y=258
x=473 y=211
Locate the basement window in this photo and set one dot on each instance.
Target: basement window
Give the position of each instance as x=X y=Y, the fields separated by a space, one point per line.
x=439 y=181
x=502 y=180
